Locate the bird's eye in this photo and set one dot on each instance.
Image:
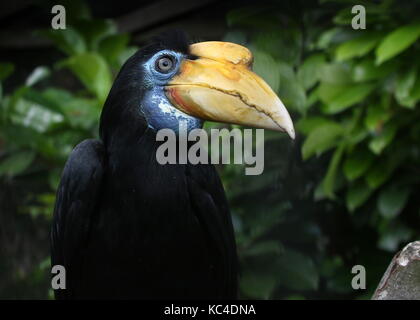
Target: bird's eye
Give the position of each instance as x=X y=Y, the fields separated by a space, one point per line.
x=164 y=64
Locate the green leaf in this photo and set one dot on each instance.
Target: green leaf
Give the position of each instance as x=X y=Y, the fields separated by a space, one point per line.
x=292 y=94
x=16 y=163
x=397 y=41
x=319 y=192
x=405 y=83
x=321 y=139
x=357 y=163
x=393 y=236
x=335 y=73
x=264 y=64
x=258 y=285
x=328 y=91
x=125 y=54
x=34 y=115
x=356 y=132
x=68 y=40
x=6 y=69
x=112 y=47
x=343 y=17
x=357 y=47
x=379 y=142
x=330 y=177
x=368 y=70
x=284 y=81
x=263 y=248
x=37 y=75
x=376 y=117
x=92 y=71
x=392 y=200
x=79 y=112
x=297 y=271
x=48 y=99
x=94 y=30
x=326 y=38
x=379 y=173
x=308 y=73
x=311 y=99
x=415 y=91
x=54 y=177
x=308 y=124
x=357 y=195
x=76 y=10
x=282 y=44
x=348 y=97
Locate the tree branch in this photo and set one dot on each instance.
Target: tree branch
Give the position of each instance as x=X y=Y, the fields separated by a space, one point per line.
x=401 y=280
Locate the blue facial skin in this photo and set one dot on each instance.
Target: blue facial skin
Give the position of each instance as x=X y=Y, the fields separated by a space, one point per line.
x=156 y=108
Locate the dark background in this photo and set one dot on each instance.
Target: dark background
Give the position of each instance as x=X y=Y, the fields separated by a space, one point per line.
x=344 y=193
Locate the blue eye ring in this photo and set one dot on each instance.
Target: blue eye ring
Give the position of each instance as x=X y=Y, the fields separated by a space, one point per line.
x=165 y=64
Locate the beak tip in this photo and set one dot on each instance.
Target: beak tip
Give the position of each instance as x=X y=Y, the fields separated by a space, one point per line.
x=285 y=122
x=290 y=130
x=291 y=133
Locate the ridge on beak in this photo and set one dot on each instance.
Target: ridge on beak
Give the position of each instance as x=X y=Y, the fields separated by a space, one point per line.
x=220 y=86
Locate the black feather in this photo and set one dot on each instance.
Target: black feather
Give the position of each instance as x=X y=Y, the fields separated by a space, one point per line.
x=127 y=227
x=126 y=92
x=176 y=40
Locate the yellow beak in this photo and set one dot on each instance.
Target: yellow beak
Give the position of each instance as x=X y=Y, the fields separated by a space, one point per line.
x=220 y=86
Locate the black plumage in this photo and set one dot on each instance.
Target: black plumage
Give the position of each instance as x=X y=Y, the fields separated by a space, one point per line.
x=127 y=227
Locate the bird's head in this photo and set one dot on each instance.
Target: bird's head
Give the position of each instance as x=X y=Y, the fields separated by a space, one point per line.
x=170 y=81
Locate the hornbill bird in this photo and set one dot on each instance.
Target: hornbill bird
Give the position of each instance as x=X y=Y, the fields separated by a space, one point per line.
x=125 y=226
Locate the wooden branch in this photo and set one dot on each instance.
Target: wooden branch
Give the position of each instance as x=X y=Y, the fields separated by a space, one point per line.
x=148 y=17
x=157 y=13
x=401 y=280
x=195 y=28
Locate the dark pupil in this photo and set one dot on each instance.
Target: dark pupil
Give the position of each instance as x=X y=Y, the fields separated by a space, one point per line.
x=165 y=64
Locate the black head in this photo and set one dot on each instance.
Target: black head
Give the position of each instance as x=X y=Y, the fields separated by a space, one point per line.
x=137 y=100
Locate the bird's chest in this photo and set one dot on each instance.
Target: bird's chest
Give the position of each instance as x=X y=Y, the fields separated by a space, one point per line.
x=148 y=206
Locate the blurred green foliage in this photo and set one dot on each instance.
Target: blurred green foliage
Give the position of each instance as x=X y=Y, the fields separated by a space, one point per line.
x=354 y=94
x=344 y=193
x=40 y=123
